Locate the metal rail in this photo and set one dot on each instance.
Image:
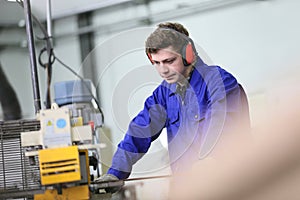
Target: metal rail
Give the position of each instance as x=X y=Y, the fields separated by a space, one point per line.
x=31 y=48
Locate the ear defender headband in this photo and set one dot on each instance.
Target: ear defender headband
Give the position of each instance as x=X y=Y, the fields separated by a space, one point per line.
x=188 y=52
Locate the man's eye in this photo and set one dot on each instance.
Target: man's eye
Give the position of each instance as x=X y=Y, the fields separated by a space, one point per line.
x=171 y=61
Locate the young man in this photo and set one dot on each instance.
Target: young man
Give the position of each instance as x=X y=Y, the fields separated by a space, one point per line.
x=196 y=103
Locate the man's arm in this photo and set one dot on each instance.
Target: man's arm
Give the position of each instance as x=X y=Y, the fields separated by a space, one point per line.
x=143 y=129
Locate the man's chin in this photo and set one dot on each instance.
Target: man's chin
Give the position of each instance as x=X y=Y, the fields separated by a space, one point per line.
x=170 y=81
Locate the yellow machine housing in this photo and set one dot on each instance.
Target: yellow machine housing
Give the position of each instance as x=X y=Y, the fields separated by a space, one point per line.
x=62 y=166
x=59 y=165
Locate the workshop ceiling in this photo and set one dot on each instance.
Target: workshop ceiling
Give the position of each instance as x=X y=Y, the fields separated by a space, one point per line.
x=11 y=12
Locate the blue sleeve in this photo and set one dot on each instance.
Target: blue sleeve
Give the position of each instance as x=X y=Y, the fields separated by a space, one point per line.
x=142 y=130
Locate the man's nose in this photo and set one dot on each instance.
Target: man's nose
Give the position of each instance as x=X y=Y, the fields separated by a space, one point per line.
x=163 y=68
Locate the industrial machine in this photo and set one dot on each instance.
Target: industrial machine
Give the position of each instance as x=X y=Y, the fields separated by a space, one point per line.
x=54 y=154
x=65 y=142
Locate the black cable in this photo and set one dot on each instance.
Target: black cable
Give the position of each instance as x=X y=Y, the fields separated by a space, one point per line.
x=48 y=67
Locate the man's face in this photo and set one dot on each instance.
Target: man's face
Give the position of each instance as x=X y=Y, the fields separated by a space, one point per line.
x=169 y=65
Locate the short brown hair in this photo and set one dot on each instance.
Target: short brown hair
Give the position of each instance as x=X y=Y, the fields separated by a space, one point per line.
x=167 y=34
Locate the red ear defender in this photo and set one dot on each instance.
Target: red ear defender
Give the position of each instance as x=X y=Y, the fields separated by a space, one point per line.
x=188 y=54
x=150 y=58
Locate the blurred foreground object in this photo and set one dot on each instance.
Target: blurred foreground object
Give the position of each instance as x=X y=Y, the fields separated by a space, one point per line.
x=267 y=169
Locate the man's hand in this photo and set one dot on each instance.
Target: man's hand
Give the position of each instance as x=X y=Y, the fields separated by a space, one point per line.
x=110 y=183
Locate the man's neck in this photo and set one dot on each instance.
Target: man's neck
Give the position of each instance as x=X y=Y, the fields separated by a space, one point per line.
x=187 y=76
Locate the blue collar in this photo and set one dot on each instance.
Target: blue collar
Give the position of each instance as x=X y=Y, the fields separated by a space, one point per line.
x=194 y=78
